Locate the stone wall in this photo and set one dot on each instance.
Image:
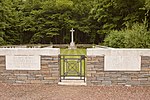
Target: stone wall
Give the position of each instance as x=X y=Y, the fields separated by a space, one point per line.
x=49 y=72
x=97 y=76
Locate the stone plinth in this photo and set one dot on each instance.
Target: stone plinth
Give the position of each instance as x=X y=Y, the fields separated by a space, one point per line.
x=72 y=45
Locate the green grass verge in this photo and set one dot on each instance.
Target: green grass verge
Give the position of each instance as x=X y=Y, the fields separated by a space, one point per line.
x=73 y=51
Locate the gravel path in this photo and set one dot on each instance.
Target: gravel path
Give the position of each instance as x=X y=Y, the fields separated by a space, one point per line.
x=55 y=92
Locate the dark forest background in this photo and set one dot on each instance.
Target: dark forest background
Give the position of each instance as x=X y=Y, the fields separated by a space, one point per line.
x=114 y=23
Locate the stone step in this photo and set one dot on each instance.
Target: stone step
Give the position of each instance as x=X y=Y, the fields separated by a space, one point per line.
x=72 y=82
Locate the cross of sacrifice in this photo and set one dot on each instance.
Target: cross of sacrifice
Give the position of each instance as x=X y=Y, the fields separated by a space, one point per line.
x=72 y=35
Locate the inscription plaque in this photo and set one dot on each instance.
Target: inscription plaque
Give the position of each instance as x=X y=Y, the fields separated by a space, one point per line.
x=122 y=63
x=23 y=62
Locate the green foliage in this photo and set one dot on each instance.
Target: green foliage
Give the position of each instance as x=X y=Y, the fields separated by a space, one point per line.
x=113 y=14
x=138 y=37
x=147 y=4
x=135 y=37
x=45 y=21
x=2 y=42
x=115 y=39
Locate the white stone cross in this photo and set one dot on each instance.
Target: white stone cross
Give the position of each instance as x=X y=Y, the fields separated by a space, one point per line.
x=72 y=35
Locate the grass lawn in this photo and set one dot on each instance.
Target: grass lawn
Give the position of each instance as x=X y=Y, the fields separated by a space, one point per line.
x=73 y=51
x=72 y=64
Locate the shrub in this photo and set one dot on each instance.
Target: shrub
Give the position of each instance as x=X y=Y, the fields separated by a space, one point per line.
x=115 y=39
x=135 y=37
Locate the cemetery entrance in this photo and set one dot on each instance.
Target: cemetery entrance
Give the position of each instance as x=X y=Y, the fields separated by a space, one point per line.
x=72 y=67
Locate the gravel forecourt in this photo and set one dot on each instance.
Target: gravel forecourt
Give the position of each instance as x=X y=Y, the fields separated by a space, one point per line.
x=56 y=92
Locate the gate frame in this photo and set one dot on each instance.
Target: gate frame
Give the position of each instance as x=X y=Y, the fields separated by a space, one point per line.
x=81 y=58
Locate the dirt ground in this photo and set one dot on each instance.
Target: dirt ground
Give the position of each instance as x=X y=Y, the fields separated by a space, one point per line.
x=55 y=92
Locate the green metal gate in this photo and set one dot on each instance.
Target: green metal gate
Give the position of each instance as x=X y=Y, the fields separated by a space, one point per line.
x=72 y=67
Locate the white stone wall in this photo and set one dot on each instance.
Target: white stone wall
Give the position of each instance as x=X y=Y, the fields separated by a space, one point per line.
x=120 y=59
x=26 y=58
x=30 y=51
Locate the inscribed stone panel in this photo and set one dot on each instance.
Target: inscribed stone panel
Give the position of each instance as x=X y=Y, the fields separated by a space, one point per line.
x=122 y=63
x=22 y=62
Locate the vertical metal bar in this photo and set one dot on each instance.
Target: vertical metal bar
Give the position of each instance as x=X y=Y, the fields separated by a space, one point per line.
x=59 y=60
x=80 y=67
x=84 y=68
x=66 y=66
x=63 y=67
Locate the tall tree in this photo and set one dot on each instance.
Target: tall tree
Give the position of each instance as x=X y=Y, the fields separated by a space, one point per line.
x=114 y=14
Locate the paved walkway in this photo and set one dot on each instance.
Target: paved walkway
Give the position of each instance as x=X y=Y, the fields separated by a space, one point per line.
x=55 y=92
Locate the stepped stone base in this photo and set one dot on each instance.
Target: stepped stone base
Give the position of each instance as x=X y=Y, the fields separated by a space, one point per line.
x=72 y=45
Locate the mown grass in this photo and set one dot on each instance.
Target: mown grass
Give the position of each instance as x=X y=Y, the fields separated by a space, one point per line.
x=73 y=51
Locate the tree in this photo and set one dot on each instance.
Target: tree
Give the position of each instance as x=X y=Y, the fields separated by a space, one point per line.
x=9 y=19
x=45 y=21
x=110 y=15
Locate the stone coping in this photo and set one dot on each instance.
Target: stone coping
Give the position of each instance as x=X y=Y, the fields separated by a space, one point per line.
x=118 y=51
x=30 y=51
